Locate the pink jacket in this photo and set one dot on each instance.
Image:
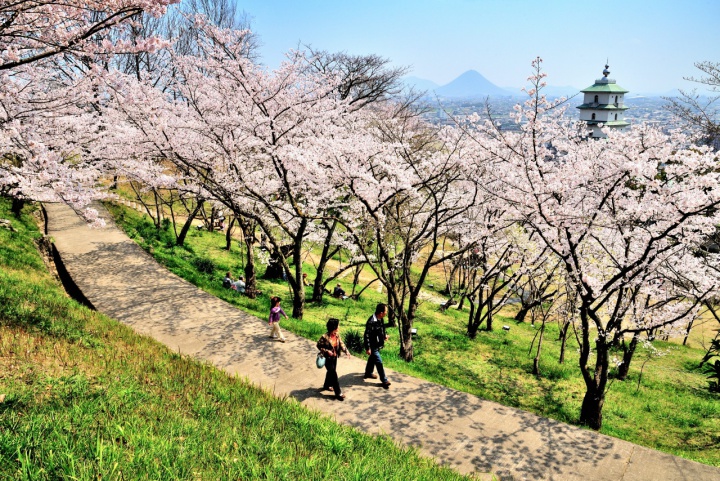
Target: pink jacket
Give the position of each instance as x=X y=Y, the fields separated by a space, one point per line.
x=275 y=314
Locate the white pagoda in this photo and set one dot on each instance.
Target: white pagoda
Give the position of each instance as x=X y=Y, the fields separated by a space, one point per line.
x=603 y=105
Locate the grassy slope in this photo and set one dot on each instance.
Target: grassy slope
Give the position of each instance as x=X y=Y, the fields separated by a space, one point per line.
x=671 y=409
x=83 y=397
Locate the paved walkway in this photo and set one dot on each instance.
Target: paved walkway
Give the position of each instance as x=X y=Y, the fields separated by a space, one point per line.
x=458 y=429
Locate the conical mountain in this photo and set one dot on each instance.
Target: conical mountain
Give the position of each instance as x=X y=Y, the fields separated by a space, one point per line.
x=469 y=85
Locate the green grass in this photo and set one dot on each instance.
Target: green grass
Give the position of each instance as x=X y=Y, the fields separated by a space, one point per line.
x=671 y=410
x=83 y=397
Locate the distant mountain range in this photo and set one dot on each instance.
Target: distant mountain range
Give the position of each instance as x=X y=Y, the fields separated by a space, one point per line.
x=472 y=85
x=420 y=83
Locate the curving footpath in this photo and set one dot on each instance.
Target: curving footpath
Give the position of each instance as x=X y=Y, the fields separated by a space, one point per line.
x=458 y=429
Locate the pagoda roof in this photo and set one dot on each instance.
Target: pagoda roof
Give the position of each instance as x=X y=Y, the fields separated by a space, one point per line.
x=609 y=123
x=595 y=106
x=607 y=87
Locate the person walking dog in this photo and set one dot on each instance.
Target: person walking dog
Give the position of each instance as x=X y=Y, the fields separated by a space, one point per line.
x=331 y=346
x=274 y=320
x=373 y=341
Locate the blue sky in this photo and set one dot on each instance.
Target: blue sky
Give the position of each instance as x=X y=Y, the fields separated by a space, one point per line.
x=651 y=45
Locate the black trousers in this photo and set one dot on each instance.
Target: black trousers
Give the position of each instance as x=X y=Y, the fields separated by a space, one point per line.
x=331 y=377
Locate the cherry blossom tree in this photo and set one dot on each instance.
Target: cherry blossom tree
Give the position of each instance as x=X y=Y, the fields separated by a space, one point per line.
x=40 y=91
x=698 y=111
x=254 y=140
x=538 y=285
x=502 y=255
x=617 y=212
x=38 y=161
x=363 y=80
x=31 y=31
x=410 y=195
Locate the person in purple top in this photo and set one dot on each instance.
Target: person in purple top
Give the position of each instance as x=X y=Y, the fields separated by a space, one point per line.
x=274 y=321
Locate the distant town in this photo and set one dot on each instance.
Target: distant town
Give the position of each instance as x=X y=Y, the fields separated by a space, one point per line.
x=472 y=93
x=443 y=111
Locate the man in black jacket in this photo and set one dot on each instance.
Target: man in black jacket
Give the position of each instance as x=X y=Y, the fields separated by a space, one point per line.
x=374 y=341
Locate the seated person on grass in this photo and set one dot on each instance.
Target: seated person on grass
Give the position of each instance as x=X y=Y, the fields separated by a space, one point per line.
x=339 y=293
x=228 y=282
x=239 y=285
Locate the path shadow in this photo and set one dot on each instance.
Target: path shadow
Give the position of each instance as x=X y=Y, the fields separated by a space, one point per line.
x=460 y=429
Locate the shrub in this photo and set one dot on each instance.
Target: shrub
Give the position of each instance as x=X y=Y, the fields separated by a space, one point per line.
x=713 y=372
x=354 y=341
x=206 y=266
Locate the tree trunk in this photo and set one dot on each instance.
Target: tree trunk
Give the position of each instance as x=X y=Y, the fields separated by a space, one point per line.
x=687 y=334
x=449 y=286
x=591 y=410
x=520 y=316
x=393 y=311
x=595 y=382
x=296 y=283
x=318 y=286
x=188 y=223
x=298 y=301
x=628 y=351
x=228 y=236
x=462 y=286
x=172 y=218
x=406 y=346
x=356 y=281
x=17 y=206
x=406 y=342
x=250 y=276
x=211 y=226
x=536 y=361
x=158 y=210
x=472 y=333
x=461 y=302
x=148 y=211
x=490 y=301
x=525 y=307
x=357 y=296
x=489 y=315
x=476 y=319
x=248 y=229
x=563 y=341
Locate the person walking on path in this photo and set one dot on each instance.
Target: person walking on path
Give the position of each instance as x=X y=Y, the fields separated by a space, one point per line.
x=274 y=320
x=374 y=340
x=331 y=346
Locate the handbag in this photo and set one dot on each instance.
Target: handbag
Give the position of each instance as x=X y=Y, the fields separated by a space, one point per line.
x=320 y=361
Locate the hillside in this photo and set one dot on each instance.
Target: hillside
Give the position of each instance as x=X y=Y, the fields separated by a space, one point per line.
x=496 y=365
x=84 y=397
